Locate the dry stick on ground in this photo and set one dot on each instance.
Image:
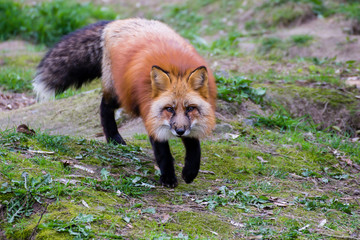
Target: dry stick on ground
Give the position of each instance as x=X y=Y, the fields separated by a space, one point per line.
x=33 y=232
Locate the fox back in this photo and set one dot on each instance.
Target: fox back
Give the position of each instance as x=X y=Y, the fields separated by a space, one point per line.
x=158 y=75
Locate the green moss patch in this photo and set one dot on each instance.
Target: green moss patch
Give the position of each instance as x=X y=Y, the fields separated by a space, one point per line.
x=327 y=107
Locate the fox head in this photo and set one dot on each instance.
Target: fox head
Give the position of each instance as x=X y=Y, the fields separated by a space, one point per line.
x=180 y=105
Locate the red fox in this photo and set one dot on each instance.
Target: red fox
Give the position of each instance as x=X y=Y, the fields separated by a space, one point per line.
x=150 y=71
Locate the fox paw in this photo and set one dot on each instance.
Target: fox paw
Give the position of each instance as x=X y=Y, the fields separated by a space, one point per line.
x=117 y=139
x=189 y=175
x=168 y=181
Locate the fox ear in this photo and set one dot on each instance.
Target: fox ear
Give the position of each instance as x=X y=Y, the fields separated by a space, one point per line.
x=160 y=80
x=198 y=80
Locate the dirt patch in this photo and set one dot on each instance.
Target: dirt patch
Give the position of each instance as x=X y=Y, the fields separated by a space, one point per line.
x=75 y=116
x=14 y=47
x=72 y=116
x=11 y=101
x=332 y=39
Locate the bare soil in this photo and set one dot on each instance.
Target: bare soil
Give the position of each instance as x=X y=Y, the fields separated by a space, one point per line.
x=332 y=39
x=13 y=47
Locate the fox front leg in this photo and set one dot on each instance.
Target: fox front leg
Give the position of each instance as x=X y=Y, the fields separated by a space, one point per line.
x=165 y=162
x=192 y=159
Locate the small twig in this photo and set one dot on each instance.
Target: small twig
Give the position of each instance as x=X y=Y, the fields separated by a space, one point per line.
x=206 y=172
x=35 y=228
x=325 y=107
x=40 y=152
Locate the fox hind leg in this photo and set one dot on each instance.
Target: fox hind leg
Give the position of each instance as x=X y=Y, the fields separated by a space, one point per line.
x=192 y=159
x=107 y=113
x=165 y=162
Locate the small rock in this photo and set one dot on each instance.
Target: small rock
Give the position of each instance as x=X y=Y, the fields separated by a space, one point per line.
x=223 y=127
x=248 y=122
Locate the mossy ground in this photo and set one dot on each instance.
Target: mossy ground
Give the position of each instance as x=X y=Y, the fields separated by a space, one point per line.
x=302 y=185
x=280 y=175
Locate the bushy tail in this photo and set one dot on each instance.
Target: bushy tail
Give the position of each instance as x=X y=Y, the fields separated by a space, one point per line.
x=73 y=61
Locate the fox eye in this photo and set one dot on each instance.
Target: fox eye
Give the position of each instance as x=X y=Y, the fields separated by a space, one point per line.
x=189 y=109
x=170 y=109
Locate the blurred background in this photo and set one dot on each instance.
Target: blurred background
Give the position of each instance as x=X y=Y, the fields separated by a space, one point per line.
x=313 y=43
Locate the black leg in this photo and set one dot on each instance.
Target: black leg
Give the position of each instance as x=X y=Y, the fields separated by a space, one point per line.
x=107 y=109
x=192 y=159
x=165 y=162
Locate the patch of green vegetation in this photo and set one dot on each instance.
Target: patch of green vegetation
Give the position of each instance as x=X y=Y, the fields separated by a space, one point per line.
x=226 y=45
x=315 y=145
x=312 y=73
x=26 y=193
x=301 y=40
x=286 y=14
x=279 y=118
x=351 y=9
x=46 y=22
x=274 y=48
x=325 y=203
x=185 y=19
x=192 y=225
x=79 y=227
x=320 y=96
x=237 y=198
x=133 y=186
x=23 y=60
x=93 y=86
x=237 y=89
x=283 y=13
x=286 y=11
x=16 y=79
x=198 y=17
x=269 y=43
x=21 y=197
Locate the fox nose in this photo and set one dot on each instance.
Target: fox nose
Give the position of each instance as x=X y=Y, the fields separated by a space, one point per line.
x=180 y=131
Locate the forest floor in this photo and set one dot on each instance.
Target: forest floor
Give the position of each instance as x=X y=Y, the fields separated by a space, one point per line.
x=286 y=166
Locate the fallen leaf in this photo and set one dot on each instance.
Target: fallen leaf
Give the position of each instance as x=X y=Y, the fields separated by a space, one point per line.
x=348 y=161
x=322 y=223
x=165 y=218
x=232 y=136
x=23 y=128
x=336 y=128
x=84 y=203
x=261 y=159
x=126 y=219
x=83 y=168
x=281 y=204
